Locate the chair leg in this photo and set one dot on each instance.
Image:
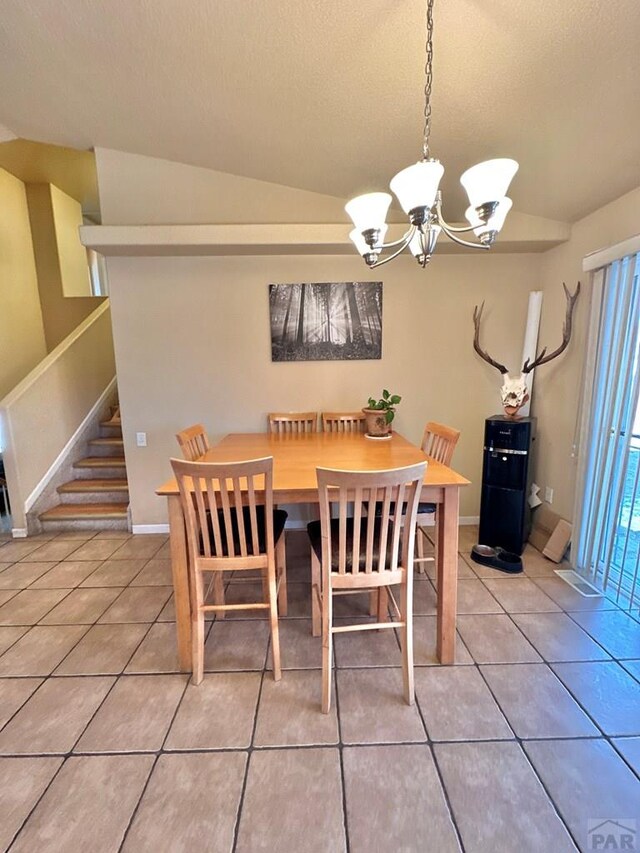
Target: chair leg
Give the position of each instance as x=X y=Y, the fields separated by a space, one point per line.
x=374 y=600
x=383 y=605
x=420 y=549
x=327 y=648
x=316 y=581
x=281 y=567
x=406 y=638
x=197 y=632
x=273 y=616
x=218 y=593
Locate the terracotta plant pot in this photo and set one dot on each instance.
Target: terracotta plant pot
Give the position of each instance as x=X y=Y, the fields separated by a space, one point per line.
x=376 y=423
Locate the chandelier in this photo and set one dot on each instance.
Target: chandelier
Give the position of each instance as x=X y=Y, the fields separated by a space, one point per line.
x=416 y=188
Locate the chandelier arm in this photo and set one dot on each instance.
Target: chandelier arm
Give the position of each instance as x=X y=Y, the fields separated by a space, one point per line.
x=458 y=229
x=451 y=235
x=405 y=239
x=405 y=243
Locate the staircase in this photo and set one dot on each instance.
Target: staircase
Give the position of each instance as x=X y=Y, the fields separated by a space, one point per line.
x=98 y=496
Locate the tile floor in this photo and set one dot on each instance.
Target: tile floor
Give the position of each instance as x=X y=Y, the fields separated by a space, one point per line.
x=104 y=746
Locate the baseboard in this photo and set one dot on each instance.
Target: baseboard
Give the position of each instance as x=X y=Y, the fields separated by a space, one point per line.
x=296 y=524
x=149 y=528
x=290 y=525
x=60 y=458
x=464 y=521
x=19 y=532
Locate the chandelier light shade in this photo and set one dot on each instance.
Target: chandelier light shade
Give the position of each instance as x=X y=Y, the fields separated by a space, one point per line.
x=495 y=223
x=488 y=181
x=417 y=185
x=369 y=211
x=361 y=244
x=417 y=191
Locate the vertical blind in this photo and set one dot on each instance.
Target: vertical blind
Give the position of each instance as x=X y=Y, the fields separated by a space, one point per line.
x=612 y=384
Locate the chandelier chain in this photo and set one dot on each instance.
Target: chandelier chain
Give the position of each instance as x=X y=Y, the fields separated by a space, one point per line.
x=428 y=72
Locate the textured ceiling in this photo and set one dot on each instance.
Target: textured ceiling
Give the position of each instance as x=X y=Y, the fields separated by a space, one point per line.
x=326 y=95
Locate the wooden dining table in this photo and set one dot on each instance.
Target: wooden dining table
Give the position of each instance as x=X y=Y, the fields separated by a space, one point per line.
x=295 y=459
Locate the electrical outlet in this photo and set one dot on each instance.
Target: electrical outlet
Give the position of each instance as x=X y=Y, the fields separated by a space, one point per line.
x=141 y=439
x=548 y=495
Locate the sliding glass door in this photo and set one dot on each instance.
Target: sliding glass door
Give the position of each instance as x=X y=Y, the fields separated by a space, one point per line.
x=624 y=571
x=607 y=537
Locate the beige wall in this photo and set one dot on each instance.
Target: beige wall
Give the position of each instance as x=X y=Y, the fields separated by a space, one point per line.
x=72 y=256
x=558 y=385
x=22 y=339
x=193 y=344
x=145 y=190
x=61 y=315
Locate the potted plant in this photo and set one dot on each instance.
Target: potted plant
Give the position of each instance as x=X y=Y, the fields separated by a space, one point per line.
x=380 y=414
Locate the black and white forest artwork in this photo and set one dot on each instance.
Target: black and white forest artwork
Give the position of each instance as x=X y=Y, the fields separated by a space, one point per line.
x=328 y=321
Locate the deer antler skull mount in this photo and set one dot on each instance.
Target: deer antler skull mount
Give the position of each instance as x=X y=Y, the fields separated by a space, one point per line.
x=514 y=392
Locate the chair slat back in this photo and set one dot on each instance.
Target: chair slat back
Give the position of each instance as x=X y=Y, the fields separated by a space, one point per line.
x=439 y=442
x=220 y=502
x=193 y=442
x=381 y=541
x=349 y=422
x=292 y=423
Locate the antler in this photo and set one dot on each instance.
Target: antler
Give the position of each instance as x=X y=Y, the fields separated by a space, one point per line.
x=542 y=358
x=477 y=314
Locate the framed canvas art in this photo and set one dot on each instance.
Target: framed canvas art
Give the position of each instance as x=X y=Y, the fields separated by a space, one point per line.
x=326 y=321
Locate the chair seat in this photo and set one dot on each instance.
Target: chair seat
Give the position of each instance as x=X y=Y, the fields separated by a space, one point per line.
x=315 y=538
x=279 y=520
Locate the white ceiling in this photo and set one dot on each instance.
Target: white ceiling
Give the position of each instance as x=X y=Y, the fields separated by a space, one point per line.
x=325 y=95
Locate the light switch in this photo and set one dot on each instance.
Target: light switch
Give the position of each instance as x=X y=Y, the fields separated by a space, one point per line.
x=548 y=495
x=141 y=439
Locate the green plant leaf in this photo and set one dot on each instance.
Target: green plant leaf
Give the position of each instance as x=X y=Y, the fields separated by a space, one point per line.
x=389 y=415
x=385 y=394
x=372 y=403
x=395 y=399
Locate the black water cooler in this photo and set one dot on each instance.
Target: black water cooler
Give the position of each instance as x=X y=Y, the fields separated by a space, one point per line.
x=505 y=517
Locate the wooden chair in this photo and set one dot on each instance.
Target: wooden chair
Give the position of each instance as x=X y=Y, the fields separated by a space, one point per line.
x=438 y=442
x=350 y=422
x=368 y=552
x=193 y=442
x=292 y=423
x=231 y=526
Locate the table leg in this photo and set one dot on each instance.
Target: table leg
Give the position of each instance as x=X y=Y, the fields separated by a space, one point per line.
x=447 y=567
x=180 y=572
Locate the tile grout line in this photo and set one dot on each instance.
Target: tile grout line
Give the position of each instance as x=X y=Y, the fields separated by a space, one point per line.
x=570 y=614
x=91 y=674
x=30 y=696
x=520 y=741
x=221 y=750
x=44 y=615
x=159 y=753
x=549 y=664
x=249 y=753
x=37 y=802
x=341 y=745
x=430 y=746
